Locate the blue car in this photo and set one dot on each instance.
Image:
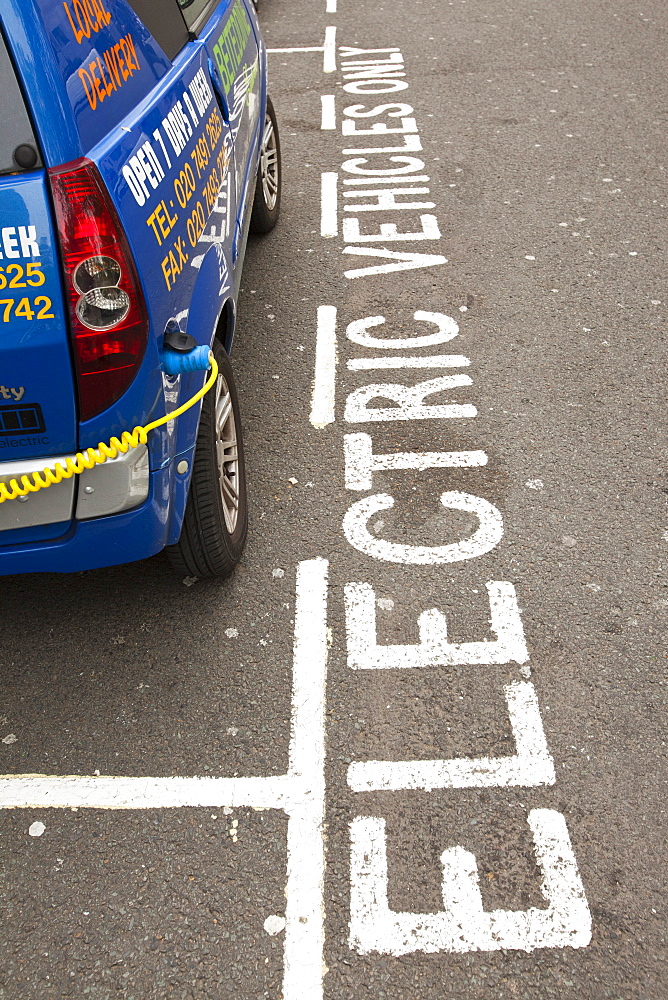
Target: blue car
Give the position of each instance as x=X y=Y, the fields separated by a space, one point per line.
x=138 y=148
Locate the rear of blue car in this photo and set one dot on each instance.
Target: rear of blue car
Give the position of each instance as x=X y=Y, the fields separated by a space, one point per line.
x=131 y=136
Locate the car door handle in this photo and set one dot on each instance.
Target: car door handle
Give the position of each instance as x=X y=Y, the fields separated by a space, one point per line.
x=218 y=91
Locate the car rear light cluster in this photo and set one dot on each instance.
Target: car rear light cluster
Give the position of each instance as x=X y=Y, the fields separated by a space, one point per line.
x=102 y=304
x=107 y=311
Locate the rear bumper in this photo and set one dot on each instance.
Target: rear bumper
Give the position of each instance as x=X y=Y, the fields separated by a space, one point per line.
x=119 y=484
x=101 y=541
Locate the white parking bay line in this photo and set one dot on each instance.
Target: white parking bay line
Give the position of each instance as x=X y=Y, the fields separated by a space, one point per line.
x=304 y=907
x=329 y=223
x=324 y=380
x=300 y=793
x=328 y=118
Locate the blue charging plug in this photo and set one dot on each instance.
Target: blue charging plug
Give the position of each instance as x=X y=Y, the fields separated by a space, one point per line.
x=180 y=362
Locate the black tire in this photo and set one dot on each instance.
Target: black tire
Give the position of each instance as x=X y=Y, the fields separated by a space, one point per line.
x=213 y=532
x=267 y=199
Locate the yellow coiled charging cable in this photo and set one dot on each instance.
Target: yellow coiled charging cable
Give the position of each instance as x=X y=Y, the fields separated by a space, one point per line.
x=88 y=459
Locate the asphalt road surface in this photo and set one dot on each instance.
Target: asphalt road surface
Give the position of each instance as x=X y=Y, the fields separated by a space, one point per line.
x=473 y=571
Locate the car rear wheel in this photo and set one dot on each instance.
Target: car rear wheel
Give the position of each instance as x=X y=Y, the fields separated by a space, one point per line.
x=267 y=200
x=216 y=518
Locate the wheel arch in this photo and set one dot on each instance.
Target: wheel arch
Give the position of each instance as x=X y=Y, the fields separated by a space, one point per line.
x=224 y=332
x=206 y=327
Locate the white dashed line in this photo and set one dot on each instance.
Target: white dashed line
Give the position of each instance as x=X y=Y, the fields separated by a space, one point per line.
x=329 y=220
x=328 y=115
x=329 y=52
x=324 y=381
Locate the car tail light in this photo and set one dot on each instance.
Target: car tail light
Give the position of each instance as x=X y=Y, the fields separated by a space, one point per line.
x=107 y=311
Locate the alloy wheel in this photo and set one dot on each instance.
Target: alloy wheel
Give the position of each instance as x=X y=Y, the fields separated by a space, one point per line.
x=227 y=454
x=269 y=165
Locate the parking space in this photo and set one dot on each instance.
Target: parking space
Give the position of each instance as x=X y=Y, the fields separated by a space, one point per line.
x=414 y=745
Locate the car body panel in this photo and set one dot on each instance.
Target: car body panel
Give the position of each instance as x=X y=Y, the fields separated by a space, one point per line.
x=106 y=58
x=37 y=394
x=105 y=541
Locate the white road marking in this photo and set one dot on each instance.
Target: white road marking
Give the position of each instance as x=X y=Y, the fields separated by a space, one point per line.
x=328 y=113
x=486 y=537
x=434 y=361
x=433 y=648
x=412 y=143
x=329 y=219
x=355 y=111
x=463 y=925
x=329 y=51
x=395 y=57
x=361 y=463
x=347 y=51
x=50 y=791
x=378 y=77
x=531 y=765
x=401 y=261
x=309 y=48
x=447 y=329
x=388 y=232
x=409 y=401
x=383 y=180
x=412 y=165
x=386 y=201
x=330 y=7
x=300 y=792
x=324 y=381
x=304 y=908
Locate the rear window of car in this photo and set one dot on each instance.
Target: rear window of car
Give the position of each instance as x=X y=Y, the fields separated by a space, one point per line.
x=17 y=138
x=193 y=9
x=165 y=22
